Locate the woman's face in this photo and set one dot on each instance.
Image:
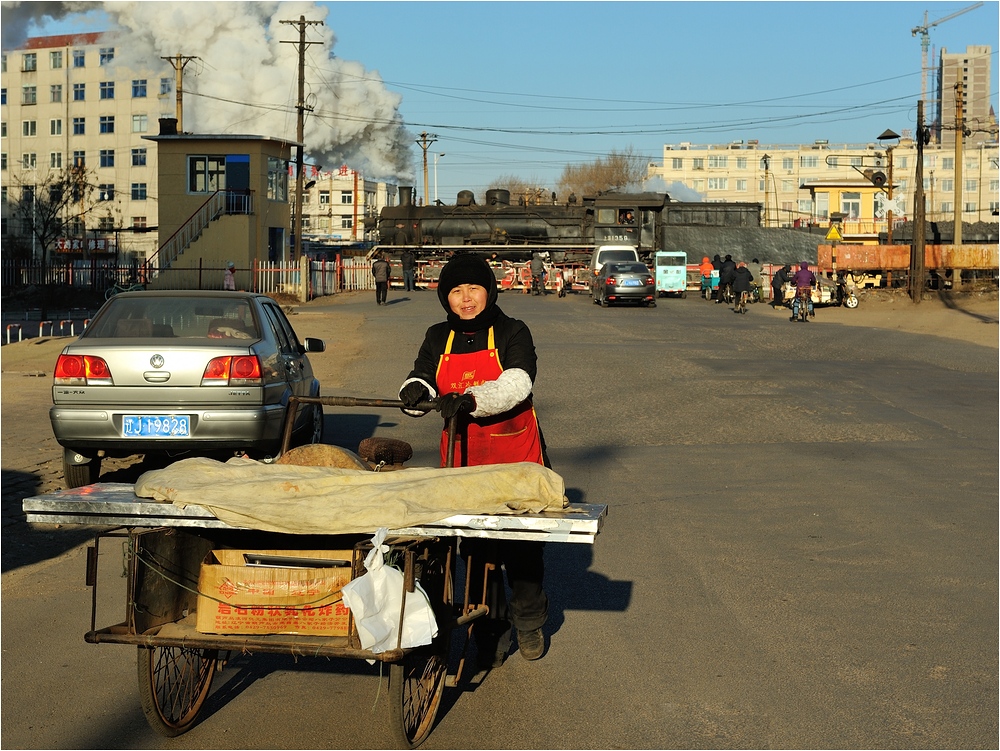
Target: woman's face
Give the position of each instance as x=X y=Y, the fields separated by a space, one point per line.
x=467 y=300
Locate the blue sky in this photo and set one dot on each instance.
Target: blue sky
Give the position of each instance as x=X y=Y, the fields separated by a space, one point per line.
x=525 y=88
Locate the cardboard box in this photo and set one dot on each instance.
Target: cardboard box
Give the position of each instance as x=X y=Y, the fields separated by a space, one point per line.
x=263 y=592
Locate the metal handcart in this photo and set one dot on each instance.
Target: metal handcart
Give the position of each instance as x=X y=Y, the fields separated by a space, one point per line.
x=166 y=544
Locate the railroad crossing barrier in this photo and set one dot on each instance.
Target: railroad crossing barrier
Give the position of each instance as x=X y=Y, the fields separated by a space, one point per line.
x=20 y=333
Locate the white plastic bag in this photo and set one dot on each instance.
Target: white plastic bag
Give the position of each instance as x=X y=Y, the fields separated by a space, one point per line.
x=375 y=598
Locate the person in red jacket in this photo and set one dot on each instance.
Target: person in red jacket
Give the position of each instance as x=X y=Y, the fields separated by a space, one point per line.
x=706 y=268
x=481 y=363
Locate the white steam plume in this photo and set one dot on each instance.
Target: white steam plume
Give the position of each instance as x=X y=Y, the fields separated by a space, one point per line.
x=245 y=77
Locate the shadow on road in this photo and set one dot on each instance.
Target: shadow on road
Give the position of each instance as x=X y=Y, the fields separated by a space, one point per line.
x=950 y=301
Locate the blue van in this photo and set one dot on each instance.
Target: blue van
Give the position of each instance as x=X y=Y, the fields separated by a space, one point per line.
x=670 y=271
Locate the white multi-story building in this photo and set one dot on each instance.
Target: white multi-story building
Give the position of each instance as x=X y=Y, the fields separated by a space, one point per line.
x=66 y=105
x=335 y=205
x=971 y=69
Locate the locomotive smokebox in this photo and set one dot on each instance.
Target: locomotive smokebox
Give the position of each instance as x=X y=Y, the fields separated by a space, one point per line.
x=405 y=195
x=498 y=197
x=465 y=198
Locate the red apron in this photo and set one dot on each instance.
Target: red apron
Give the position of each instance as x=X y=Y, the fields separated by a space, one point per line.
x=499 y=439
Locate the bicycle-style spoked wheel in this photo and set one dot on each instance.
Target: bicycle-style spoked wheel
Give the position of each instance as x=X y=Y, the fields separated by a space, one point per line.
x=416 y=685
x=173 y=685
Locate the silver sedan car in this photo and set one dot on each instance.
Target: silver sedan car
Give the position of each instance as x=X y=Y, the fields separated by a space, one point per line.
x=186 y=373
x=624 y=282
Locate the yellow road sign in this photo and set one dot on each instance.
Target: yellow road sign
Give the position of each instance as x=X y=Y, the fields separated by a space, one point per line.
x=834 y=234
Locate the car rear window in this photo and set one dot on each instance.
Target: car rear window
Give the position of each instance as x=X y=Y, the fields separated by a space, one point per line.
x=175 y=317
x=629 y=268
x=609 y=256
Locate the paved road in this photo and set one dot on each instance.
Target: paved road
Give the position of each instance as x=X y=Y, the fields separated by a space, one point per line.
x=801 y=549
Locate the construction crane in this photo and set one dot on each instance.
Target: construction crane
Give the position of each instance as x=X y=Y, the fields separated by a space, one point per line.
x=925 y=42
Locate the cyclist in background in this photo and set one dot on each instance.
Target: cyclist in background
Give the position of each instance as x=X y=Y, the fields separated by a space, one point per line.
x=804 y=280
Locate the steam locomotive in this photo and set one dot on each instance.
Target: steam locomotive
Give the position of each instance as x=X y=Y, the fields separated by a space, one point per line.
x=566 y=231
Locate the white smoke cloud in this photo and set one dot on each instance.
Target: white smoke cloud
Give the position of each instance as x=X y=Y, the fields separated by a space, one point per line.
x=678 y=191
x=245 y=77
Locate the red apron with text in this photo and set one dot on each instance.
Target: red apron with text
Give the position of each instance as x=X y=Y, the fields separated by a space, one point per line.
x=500 y=439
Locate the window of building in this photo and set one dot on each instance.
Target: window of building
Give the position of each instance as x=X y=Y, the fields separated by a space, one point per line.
x=106 y=223
x=305 y=221
x=970 y=207
x=166 y=86
x=741 y=162
x=79 y=159
x=140 y=123
x=718 y=162
x=3 y=163
x=79 y=58
x=29 y=160
x=139 y=157
x=277 y=179
x=55 y=160
x=206 y=174
x=787 y=186
x=105 y=192
x=822 y=205
x=994 y=186
x=79 y=92
x=718 y=183
x=3 y=96
x=138 y=191
x=55 y=127
x=994 y=207
x=971 y=165
x=832 y=162
x=809 y=162
x=3 y=129
x=741 y=186
x=698 y=163
x=55 y=59
x=850 y=204
x=346 y=197
x=55 y=92
x=107 y=89
x=29 y=95
x=948 y=186
x=139 y=222
x=805 y=207
x=854 y=161
x=787 y=163
x=30 y=62
x=107 y=157
x=107 y=123
x=761 y=185
x=346 y=222
x=139 y=88
x=677 y=163
x=79 y=126
x=107 y=55
x=29 y=128
x=947 y=162
x=324 y=196
x=946 y=207
x=902 y=162
x=971 y=186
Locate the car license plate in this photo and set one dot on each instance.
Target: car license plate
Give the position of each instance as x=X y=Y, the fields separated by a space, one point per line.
x=631 y=283
x=156 y=426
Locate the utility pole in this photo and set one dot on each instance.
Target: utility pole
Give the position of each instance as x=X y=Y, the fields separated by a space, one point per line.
x=425 y=141
x=177 y=62
x=917 y=270
x=959 y=134
x=303 y=24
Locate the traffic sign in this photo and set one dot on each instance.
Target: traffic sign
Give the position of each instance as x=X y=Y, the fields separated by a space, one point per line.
x=834 y=234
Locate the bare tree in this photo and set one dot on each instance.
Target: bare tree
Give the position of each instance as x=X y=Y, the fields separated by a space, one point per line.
x=619 y=171
x=522 y=191
x=51 y=207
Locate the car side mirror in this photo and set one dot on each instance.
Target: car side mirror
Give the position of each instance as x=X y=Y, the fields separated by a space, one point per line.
x=315 y=345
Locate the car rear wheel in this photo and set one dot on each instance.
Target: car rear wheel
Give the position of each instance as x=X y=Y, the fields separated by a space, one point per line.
x=77 y=473
x=316 y=436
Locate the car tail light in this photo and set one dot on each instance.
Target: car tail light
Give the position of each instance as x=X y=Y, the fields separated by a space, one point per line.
x=82 y=370
x=649 y=280
x=611 y=281
x=241 y=370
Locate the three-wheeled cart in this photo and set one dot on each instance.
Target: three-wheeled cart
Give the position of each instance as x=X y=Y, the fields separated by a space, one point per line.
x=166 y=545
x=670 y=272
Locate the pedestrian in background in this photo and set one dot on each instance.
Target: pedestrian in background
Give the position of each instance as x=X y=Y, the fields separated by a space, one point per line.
x=229 y=277
x=381 y=270
x=409 y=263
x=781 y=277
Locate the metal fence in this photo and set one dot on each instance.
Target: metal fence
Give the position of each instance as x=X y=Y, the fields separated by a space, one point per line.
x=100 y=275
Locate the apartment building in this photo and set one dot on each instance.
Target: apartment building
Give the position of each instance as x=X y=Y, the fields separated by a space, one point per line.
x=971 y=69
x=788 y=180
x=336 y=203
x=65 y=105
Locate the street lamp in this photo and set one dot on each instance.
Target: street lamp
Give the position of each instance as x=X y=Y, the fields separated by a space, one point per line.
x=436 y=157
x=888 y=135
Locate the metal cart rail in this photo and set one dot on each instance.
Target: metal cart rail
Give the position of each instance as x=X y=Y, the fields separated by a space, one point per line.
x=165 y=547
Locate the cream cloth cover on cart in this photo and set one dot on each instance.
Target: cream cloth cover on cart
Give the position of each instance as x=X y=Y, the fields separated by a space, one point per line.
x=329 y=500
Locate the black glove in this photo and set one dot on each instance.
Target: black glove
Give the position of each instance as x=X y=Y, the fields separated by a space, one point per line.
x=452 y=404
x=413 y=393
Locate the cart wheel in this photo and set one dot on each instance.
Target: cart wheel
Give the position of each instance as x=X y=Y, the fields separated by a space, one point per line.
x=416 y=685
x=173 y=686
x=851 y=301
x=684 y=294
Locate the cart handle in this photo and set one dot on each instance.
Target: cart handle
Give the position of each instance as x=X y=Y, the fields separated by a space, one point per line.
x=431 y=405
